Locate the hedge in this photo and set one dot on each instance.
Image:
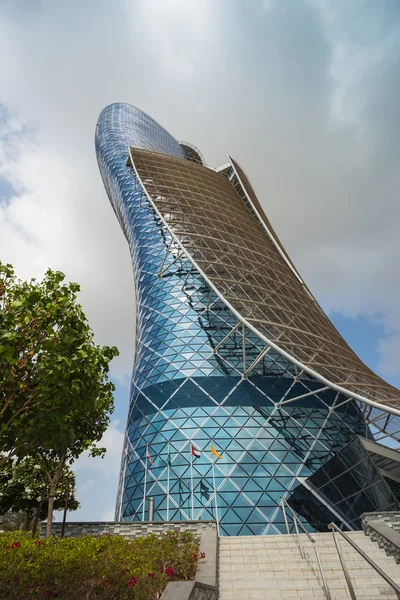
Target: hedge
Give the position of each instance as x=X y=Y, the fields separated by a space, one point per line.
x=89 y=568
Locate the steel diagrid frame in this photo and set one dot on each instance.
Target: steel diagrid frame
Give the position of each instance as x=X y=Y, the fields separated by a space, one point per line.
x=134 y=154
x=257 y=208
x=252 y=439
x=263 y=352
x=274 y=428
x=156 y=482
x=225 y=477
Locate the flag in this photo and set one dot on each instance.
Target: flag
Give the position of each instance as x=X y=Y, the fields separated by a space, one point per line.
x=149 y=457
x=126 y=452
x=204 y=490
x=213 y=451
x=194 y=452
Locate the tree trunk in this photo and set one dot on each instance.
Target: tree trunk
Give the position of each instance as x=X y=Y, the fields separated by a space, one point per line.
x=64 y=516
x=53 y=481
x=50 y=509
x=37 y=517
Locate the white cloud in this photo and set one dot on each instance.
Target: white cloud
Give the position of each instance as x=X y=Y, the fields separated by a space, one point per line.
x=112 y=440
x=108 y=515
x=97 y=479
x=88 y=485
x=389 y=349
x=302 y=95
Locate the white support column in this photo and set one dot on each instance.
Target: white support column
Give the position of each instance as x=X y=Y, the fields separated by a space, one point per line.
x=244 y=351
x=226 y=337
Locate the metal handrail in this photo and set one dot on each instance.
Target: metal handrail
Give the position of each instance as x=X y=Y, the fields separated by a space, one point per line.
x=334 y=528
x=295 y=518
x=297 y=522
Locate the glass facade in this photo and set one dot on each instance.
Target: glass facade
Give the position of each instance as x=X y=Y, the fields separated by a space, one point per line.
x=344 y=488
x=201 y=377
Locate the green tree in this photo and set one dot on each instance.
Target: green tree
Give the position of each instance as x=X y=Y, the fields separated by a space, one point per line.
x=56 y=394
x=24 y=491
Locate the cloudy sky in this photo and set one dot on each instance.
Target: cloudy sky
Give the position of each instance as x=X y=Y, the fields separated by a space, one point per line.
x=305 y=94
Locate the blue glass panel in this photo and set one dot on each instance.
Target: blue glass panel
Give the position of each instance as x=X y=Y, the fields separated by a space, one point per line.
x=184 y=393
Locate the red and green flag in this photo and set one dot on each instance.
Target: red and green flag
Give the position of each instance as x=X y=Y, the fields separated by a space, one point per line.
x=194 y=452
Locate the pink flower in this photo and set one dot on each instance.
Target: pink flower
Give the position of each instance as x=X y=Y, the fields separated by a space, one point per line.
x=150 y=575
x=169 y=571
x=124 y=571
x=132 y=581
x=16 y=578
x=15 y=545
x=38 y=543
x=202 y=554
x=161 y=570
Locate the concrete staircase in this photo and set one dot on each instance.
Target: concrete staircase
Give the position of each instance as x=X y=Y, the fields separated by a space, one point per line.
x=271 y=567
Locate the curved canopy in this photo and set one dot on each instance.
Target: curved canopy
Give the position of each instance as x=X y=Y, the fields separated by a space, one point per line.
x=236 y=250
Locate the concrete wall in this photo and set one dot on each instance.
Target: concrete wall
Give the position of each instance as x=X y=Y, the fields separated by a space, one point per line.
x=205 y=585
x=384 y=528
x=129 y=530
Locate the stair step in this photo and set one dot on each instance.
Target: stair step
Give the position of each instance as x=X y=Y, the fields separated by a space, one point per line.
x=253 y=567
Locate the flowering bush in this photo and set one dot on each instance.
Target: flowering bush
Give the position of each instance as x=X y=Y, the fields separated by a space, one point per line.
x=90 y=568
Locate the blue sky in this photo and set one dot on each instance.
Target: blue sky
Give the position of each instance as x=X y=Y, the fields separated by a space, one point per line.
x=304 y=94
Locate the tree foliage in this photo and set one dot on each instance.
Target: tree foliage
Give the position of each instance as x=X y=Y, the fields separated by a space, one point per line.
x=56 y=396
x=24 y=490
x=47 y=359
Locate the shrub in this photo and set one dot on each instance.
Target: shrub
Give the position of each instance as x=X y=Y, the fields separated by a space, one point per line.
x=90 y=568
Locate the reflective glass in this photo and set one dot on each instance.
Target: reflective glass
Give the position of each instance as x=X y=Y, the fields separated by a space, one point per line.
x=188 y=387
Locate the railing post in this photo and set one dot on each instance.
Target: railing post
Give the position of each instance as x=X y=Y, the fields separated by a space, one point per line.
x=335 y=529
x=303 y=556
x=321 y=570
x=345 y=571
x=284 y=515
x=298 y=539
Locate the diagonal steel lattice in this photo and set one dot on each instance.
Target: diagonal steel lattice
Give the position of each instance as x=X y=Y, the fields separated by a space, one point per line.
x=231 y=347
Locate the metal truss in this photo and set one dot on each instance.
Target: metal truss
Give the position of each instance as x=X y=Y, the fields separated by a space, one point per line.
x=279 y=409
x=309 y=334
x=231 y=346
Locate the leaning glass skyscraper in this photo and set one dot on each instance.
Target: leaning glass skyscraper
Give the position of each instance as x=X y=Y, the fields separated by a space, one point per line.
x=242 y=392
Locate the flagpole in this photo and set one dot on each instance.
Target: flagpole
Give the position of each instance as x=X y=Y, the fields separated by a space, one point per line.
x=168 y=485
x=145 y=482
x=215 y=497
x=191 y=478
x=122 y=489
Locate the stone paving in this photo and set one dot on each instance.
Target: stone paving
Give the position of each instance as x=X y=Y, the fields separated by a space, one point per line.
x=271 y=567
